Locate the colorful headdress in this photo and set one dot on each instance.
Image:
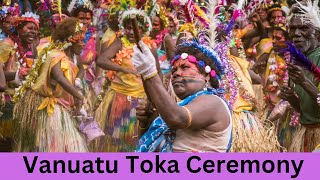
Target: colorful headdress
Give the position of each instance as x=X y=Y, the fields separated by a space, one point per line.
x=202 y=27
x=42 y=56
x=142 y=10
x=51 y=11
x=310 y=13
x=27 y=17
x=255 y=4
x=207 y=51
x=78 y=3
x=79 y=33
x=163 y=16
x=281 y=23
x=154 y=9
x=275 y=5
x=5 y=10
x=142 y=17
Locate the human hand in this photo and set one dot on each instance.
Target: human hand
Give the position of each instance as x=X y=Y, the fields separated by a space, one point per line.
x=17 y=80
x=131 y=71
x=78 y=105
x=23 y=71
x=144 y=61
x=286 y=93
x=255 y=17
x=78 y=83
x=296 y=73
x=142 y=111
x=259 y=66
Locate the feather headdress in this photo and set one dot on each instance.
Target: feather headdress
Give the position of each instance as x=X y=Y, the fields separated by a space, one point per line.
x=77 y=3
x=299 y=58
x=51 y=10
x=124 y=9
x=27 y=17
x=310 y=13
x=236 y=13
x=201 y=23
x=137 y=13
x=12 y=9
x=253 y=5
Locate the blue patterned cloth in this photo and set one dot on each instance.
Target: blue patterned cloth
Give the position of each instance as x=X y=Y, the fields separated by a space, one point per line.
x=159 y=132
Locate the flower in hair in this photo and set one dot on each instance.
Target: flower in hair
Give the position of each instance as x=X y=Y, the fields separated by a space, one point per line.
x=201 y=63
x=192 y=59
x=213 y=73
x=184 y=56
x=31 y=15
x=207 y=69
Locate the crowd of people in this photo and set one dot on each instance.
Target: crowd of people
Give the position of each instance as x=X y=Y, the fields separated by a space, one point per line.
x=160 y=76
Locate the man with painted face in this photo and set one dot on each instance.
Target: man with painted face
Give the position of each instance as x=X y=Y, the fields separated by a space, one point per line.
x=303 y=96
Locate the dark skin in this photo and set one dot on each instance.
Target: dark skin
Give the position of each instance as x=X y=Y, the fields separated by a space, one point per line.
x=256 y=79
x=3 y=84
x=176 y=117
x=169 y=47
x=255 y=18
x=26 y=8
x=156 y=28
x=278 y=40
x=104 y=60
x=303 y=37
x=259 y=20
x=261 y=63
x=276 y=14
x=57 y=75
x=7 y=24
x=287 y=94
x=297 y=76
x=85 y=18
x=28 y=34
x=108 y=53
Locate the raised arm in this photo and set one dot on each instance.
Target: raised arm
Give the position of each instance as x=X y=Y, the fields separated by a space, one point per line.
x=170 y=47
x=196 y=115
x=105 y=59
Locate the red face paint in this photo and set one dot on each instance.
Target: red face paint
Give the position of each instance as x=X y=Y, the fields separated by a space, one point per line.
x=184 y=68
x=186 y=78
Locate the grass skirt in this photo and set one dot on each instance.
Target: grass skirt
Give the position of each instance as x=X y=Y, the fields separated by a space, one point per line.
x=35 y=131
x=306 y=139
x=6 y=109
x=250 y=135
x=116 y=116
x=90 y=96
x=262 y=113
x=284 y=131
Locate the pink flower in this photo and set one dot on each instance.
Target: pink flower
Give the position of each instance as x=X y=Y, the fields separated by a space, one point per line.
x=192 y=59
x=213 y=73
